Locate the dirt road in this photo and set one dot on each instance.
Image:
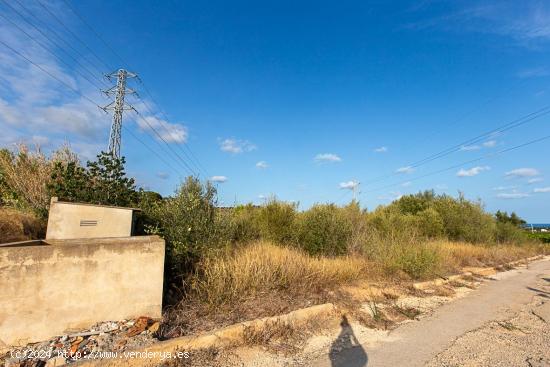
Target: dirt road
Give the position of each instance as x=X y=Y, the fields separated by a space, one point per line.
x=506 y=322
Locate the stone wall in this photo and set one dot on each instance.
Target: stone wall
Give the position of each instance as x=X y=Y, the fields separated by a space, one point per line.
x=50 y=287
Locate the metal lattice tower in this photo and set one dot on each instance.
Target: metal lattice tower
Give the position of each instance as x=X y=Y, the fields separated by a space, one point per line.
x=118 y=106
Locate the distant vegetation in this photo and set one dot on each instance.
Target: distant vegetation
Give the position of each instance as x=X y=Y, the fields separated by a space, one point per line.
x=540 y=236
x=220 y=255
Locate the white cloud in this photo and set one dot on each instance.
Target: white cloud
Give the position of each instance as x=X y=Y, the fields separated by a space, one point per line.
x=262 y=165
x=525 y=22
x=534 y=180
x=407 y=169
x=533 y=72
x=502 y=188
x=470 y=147
x=522 y=172
x=406 y=184
x=474 y=171
x=163 y=175
x=542 y=189
x=396 y=195
x=349 y=185
x=512 y=195
x=381 y=150
x=487 y=144
x=236 y=146
x=393 y=195
x=219 y=179
x=171 y=133
x=31 y=100
x=327 y=157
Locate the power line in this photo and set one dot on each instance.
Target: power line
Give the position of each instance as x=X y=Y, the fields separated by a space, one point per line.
x=73 y=34
x=111 y=145
x=48 y=50
x=187 y=167
x=197 y=166
x=508 y=126
x=50 y=74
x=191 y=156
x=148 y=147
x=72 y=89
x=513 y=124
x=463 y=163
x=52 y=31
x=73 y=9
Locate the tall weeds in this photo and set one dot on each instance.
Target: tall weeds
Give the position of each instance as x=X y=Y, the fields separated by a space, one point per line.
x=265 y=267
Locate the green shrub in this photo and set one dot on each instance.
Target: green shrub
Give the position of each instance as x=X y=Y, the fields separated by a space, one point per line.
x=242 y=223
x=507 y=232
x=391 y=224
x=103 y=182
x=413 y=204
x=418 y=261
x=540 y=236
x=430 y=223
x=187 y=221
x=275 y=221
x=323 y=230
x=464 y=220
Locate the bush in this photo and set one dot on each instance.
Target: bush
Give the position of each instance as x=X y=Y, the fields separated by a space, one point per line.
x=242 y=223
x=418 y=261
x=275 y=221
x=430 y=223
x=464 y=220
x=507 y=232
x=540 y=236
x=23 y=178
x=102 y=182
x=16 y=225
x=323 y=230
x=187 y=221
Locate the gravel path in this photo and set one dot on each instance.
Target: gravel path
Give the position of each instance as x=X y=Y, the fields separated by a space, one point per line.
x=523 y=340
x=506 y=322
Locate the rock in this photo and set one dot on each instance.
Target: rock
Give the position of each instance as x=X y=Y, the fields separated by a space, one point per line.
x=141 y=324
x=56 y=361
x=154 y=327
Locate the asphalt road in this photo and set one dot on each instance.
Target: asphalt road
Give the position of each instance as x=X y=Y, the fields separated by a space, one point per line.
x=506 y=322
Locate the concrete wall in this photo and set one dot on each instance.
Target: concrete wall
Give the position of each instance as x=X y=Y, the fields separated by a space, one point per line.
x=73 y=220
x=50 y=287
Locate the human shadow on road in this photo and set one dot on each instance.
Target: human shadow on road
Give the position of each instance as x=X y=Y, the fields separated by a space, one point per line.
x=346 y=351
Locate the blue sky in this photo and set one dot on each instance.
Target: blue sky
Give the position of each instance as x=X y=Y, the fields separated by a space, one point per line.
x=301 y=100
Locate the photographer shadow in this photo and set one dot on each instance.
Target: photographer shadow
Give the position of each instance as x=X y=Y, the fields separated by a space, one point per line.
x=346 y=351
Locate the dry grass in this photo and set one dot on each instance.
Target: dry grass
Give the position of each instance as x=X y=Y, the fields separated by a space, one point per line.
x=264 y=279
x=456 y=255
x=19 y=226
x=261 y=268
x=264 y=267
x=26 y=174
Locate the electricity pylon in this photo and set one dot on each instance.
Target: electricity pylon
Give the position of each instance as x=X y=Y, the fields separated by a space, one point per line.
x=355 y=190
x=118 y=106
